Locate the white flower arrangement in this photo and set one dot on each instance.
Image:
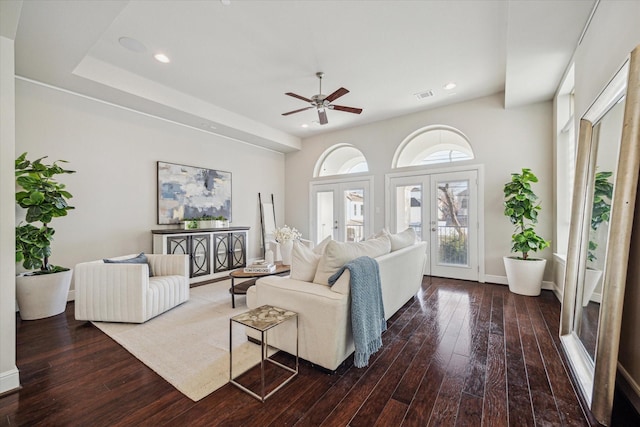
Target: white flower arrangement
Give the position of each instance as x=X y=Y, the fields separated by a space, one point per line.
x=286 y=233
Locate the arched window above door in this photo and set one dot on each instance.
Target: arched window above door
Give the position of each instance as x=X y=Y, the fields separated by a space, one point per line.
x=341 y=159
x=432 y=145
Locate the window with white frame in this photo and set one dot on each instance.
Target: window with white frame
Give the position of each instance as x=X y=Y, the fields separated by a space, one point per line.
x=433 y=145
x=566 y=142
x=341 y=159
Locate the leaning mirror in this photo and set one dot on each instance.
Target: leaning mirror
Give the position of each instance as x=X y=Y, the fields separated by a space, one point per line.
x=601 y=219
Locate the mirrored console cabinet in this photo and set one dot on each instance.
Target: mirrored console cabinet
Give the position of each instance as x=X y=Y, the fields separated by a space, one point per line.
x=212 y=251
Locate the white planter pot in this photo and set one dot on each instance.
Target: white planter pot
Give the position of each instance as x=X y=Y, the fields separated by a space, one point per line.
x=525 y=276
x=43 y=295
x=591 y=281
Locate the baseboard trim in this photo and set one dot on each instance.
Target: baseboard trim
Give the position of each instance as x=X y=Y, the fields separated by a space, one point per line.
x=546 y=285
x=629 y=387
x=9 y=381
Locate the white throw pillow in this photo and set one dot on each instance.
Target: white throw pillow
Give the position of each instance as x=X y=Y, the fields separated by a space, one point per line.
x=322 y=246
x=403 y=239
x=304 y=261
x=338 y=254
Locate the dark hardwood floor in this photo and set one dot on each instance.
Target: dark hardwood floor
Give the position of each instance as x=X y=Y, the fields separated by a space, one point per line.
x=461 y=353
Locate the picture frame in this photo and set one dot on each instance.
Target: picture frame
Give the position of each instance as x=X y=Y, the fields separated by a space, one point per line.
x=190 y=192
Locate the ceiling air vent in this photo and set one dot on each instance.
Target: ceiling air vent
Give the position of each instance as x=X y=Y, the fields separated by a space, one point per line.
x=425 y=94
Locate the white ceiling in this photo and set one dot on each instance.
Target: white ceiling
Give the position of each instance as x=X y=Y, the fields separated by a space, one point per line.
x=232 y=64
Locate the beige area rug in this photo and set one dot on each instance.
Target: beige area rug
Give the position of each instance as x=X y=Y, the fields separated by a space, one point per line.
x=189 y=345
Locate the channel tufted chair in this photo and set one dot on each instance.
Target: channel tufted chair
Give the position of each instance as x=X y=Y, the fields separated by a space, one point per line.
x=123 y=292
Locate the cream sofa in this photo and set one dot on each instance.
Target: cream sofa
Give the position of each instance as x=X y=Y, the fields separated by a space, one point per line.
x=324 y=312
x=124 y=292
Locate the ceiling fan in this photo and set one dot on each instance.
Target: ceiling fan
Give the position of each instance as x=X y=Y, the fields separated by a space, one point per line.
x=323 y=102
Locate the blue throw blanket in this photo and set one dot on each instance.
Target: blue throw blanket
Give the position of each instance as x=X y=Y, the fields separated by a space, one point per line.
x=367 y=312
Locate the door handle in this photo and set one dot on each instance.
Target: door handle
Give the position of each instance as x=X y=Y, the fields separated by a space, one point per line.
x=433 y=229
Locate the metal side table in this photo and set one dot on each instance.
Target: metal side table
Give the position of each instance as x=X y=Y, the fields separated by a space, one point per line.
x=262 y=319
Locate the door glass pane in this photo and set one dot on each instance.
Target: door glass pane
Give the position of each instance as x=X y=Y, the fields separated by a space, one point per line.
x=325 y=215
x=409 y=208
x=354 y=214
x=453 y=218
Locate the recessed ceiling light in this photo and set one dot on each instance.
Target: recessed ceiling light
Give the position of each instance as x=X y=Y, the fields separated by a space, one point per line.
x=450 y=85
x=132 y=44
x=304 y=125
x=161 y=57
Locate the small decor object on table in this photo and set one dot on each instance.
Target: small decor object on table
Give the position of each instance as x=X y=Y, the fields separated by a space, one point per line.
x=260 y=266
x=250 y=279
x=285 y=237
x=262 y=319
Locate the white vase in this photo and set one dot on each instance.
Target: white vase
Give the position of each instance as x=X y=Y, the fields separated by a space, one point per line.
x=42 y=295
x=525 y=276
x=285 y=249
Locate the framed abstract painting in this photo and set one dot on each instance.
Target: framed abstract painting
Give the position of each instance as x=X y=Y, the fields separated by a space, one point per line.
x=189 y=192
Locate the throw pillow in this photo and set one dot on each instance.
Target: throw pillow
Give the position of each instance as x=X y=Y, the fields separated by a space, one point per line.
x=320 y=247
x=338 y=254
x=403 y=239
x=140 y=259
x=304 y=260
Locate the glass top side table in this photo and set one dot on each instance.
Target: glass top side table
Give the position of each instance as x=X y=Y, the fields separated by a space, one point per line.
x=262 y=319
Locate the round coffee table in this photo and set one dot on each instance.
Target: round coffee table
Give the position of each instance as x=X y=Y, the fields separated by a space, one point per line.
x=241 y=288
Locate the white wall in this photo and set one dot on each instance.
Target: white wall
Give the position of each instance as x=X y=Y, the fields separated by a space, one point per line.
x=9 y=378
x=114 y=152
x=505 y=141
x=613 y=33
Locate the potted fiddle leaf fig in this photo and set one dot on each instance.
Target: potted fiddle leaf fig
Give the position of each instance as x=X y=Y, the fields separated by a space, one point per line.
x=42 y=290
x=521 y=206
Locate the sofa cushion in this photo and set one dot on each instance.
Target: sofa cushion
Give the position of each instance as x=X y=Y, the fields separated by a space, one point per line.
x=139 y=259
x=338 y=254
x=403 y=239
x=304 y=260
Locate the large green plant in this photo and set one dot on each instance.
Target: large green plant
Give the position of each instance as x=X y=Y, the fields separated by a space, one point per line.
x=44 y=198
x=601 y=209
x=521 y=207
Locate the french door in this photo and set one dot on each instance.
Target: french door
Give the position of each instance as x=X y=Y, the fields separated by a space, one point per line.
x=443 y=209
x=341 y=210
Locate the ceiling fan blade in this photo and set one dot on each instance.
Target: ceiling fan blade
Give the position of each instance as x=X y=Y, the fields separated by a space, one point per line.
x=296 y=111
x=298 y=96
x=322 y=114
x=337 y=94
x=347 y=109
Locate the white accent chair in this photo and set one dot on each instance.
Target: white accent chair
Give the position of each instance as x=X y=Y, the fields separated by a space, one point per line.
x=107 y=292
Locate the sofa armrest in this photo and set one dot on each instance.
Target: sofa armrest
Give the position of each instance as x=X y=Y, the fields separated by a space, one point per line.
x=101 y=289
x=342 y=285
x=169 y=265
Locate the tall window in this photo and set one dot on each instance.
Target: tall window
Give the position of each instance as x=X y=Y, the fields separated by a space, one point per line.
x=433 y=145
x=341 y=159
x=566 y=142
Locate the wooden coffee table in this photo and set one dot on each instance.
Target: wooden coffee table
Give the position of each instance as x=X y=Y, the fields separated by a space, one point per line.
x=241 y=288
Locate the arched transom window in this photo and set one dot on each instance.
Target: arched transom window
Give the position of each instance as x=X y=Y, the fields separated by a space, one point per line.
x=339 y=160
x=431 y=145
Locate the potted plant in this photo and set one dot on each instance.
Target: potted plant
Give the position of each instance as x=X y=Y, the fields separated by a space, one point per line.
x=42 y=291
x=221 y=221
x=600 y=213
x=521 y=206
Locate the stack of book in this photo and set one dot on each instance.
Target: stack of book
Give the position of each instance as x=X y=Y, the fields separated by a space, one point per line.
x=260 y=266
